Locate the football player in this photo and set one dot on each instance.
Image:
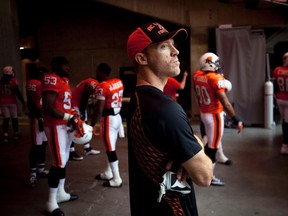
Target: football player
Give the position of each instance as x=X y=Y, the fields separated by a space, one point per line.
x=80 y=96
x=37 y=154
x=209 y=85
x=9 y=92
x=57 y=113
x=109 y=93
x=280 y=74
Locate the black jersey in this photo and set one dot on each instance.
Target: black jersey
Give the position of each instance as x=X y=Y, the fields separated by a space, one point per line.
x=158 y=131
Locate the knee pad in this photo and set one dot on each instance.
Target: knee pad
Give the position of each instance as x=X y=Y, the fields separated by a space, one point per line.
x=55 y=174
x=112 y=156
x=211 y=153
x=202 y=129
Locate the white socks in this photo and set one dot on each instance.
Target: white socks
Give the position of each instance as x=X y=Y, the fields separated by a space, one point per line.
x=107 y=174
x=62 y=196
x=87 y=145
x=220 y=157
x=116 y=181
x=51 y=204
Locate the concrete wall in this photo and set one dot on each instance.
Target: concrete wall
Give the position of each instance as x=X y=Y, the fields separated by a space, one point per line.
x=200 y=16
x=87 y=34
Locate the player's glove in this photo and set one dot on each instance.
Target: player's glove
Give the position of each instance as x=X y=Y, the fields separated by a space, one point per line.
x=95 y=131
x=40 y=124
x=76 y=123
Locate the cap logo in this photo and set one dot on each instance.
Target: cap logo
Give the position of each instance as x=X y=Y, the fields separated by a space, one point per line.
x=160 y=27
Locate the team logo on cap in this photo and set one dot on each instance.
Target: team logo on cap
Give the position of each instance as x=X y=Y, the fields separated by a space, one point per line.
x=160 y=27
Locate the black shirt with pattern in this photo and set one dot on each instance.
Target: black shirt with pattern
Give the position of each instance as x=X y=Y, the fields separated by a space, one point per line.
x=158 y=131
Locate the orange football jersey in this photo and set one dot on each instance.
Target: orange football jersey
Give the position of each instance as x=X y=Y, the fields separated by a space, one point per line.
x=206 y=86
x=112 y=92
x=34 y=88
x=6 y=92
x=85 y=85
x=281 y=76
x=53 y=82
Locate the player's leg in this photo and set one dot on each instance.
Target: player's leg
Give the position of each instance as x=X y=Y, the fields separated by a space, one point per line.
x=110 y=126
x=59 y=144
x=73 y=154
x=32 y=182
x=283 y=109
x=42 y=141
x=221 y=157
x=88 y=150
x=15 y=123
x=214 y=125
x=5 y=125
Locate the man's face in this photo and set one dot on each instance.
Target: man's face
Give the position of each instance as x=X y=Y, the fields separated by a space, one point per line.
x=163 y=58
x=65 y=70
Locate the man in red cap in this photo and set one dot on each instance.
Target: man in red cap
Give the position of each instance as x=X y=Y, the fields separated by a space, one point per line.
x=165 y=157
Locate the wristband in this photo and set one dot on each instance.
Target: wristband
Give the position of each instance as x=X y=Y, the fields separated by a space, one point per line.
x=235 y=120
x=67 y=116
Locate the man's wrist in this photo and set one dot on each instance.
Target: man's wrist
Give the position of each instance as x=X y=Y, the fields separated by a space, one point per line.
x=235 y=120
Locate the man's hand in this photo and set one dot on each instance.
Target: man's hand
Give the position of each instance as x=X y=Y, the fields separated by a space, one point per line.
x=181 y=172
x=240 y=126
x=76 y=123
x=95 y=131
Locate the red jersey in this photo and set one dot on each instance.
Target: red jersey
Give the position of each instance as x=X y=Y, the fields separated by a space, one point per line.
x=53 y=82
x=34 y=92
x=88 y=85
x=112 y=92
x=206 y=86
x=171 y=87
x=6 y=92
x=281 y=75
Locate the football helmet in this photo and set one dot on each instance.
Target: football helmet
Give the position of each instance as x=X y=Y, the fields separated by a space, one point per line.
x=210 y=62
x=285 y=59
x=77 y=138
x=228 y=85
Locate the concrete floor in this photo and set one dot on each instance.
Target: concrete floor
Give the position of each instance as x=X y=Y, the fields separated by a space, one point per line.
x=256 y=182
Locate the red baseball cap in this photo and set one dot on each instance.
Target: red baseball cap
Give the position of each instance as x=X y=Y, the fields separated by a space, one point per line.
x=150 y=33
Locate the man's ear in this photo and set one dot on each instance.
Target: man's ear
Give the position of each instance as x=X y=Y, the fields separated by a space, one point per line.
x=141 y=59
